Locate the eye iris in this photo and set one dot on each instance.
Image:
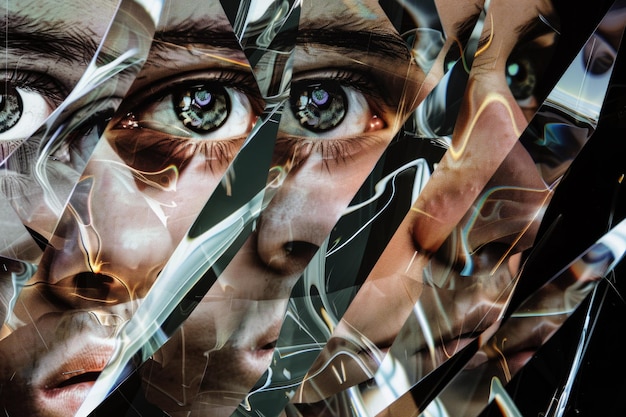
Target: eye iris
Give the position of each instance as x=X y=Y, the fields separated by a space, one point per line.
x=11 y=107
x=319 y=106
x=521 y=78
x=202 y=108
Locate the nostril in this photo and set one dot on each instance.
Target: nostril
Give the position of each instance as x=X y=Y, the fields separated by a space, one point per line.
x=300 y=249
x=290 y=258
x=86 y=287
x=94 y=287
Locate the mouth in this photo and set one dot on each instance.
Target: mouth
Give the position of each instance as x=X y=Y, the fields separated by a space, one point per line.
x=69 y=394
x=64 y=387
x=79 y=377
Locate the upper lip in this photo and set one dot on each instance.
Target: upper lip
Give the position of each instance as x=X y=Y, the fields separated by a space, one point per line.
x=79 y=359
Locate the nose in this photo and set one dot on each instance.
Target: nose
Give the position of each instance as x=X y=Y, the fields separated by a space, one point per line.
x=292 y=227
x=111 y=242
x=299 y=217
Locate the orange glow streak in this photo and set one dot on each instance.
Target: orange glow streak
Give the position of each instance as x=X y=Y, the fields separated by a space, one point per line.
x=230 y=61
x=199 y=51
x=327 y=320
x=503 y=362
x=491 y=98
x=89 y=237
x=489 y=41
x=420 y=211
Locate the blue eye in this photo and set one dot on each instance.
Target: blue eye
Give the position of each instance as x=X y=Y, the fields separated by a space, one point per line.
x=319 y=106
x=202 y=108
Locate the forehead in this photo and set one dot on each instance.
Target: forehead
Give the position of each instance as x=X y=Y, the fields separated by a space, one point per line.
x=314 y=14
x=176 y=13
x=92 y=15
x=358 y=14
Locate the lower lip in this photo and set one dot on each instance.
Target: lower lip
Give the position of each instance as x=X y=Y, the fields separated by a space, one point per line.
x=64 y=401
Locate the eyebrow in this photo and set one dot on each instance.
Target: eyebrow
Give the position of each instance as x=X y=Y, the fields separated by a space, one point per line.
x=210 y=33
x=384 y=44
x=465 y=27
x=54 y=39
x=219 y=34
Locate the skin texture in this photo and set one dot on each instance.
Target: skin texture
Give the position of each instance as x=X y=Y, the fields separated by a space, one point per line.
x=226 y=344
x=148 y=178
x=479 y=210
x=150 y=175
x=124 y=219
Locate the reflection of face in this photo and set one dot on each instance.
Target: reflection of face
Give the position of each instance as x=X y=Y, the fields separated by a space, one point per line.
x=163 y=154
x=48 y=48
x=343 y=113
x=455 y=254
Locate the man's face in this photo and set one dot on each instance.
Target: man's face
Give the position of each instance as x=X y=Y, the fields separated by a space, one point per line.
x=163 y=153
x=452 y=261
x=161 y=156
x=351 y=78
x=48 y=47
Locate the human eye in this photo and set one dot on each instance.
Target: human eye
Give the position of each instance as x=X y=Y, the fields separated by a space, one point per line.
x=331 y=111
x=167 y=123
x=525 y=67
x=331 y=104
x=80 y=140
x=26 y=100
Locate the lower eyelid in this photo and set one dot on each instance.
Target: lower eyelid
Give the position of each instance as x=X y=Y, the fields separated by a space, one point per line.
x=156 y=151
x=294 y=151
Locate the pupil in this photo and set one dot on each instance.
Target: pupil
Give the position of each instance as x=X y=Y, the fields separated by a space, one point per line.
x=203 y=97
x=513 y=69
x=320 y=97
x=521 y=78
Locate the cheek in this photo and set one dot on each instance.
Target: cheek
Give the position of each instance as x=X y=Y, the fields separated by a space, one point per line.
x=193 y=188
x=399 y=256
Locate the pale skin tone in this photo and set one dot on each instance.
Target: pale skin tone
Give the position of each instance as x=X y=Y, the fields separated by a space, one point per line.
x=44 y=77
x=98 y=267
x=258 y=299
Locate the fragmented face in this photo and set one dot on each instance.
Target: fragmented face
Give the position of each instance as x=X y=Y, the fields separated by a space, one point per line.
x=132 y=134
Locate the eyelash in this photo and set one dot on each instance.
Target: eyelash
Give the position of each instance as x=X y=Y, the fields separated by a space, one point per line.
x=38 y=82
x=179 y=148
x=357 y=80
x=297 y=150
x=242 y=82
x=338 y=150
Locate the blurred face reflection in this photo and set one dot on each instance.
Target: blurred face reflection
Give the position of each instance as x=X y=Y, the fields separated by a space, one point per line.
x=456 y=254
x=162 y=155
x=48 y=47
